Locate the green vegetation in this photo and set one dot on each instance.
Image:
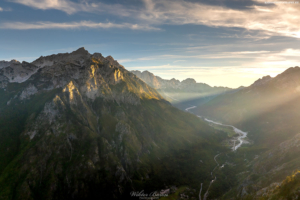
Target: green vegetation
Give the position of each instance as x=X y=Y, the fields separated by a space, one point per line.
x=229 y=130
x=269 y=112
x=127 y=138
x=175 y=195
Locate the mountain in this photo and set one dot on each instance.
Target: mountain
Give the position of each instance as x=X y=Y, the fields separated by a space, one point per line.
x=4 y=63
x=266 y=109
x=287 y=189
x=80 y=126
x=269 y=111
x=181 y=93
x=275 y=172
x=156 y=82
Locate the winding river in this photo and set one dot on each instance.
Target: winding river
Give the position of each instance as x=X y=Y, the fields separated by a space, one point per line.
x=240 y=139
x=241 y=133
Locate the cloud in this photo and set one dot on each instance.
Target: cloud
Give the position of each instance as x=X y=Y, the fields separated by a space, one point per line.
x=71 y=7
x=289 y=57
x=1 y=9
x=216 y=55
x=275 y=19
x=73 y=25
x=290 y=52
x=63 y=5
x=250 y=52
x=176 y=61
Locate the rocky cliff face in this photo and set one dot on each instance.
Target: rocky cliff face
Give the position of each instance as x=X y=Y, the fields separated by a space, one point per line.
x=80 y=126
x=90 y=74
x=4 y=63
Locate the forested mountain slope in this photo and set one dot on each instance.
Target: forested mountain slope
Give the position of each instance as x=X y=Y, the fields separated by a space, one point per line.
x=80 y=126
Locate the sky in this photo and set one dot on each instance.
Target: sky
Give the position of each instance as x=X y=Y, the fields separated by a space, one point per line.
x=219 y=42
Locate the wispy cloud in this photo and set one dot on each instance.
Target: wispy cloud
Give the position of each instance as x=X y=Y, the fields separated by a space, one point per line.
x=216 y=55
x=270 y=19
x=262 y=56
x=290 y=52
x=71 y=7
x=73 y=25
x=63 y=5
x=250 y=52
x=176 y=61
x=275 y=19
x=5 y=9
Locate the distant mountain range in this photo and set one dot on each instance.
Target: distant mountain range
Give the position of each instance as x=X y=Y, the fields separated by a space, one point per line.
x=181 y=93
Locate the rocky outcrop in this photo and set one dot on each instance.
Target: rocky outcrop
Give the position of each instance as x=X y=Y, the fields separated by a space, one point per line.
x=18 y=72
x=27 y=92
x=4 y=63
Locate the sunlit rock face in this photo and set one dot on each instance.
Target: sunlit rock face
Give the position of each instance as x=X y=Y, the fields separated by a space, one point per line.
x=91 y=75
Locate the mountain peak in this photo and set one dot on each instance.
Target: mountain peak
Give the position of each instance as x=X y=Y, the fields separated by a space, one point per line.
x=81 y=51
x=262 y=80
x=4 y=63
x=110 y=58
x=147 y=72
x=79 y=55
x=291 y=70
x=189 y=81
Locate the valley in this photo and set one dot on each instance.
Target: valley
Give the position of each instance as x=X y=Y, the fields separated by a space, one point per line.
x=240 y=139
x=259 y=167
x=76 y=122
x=149 y=100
